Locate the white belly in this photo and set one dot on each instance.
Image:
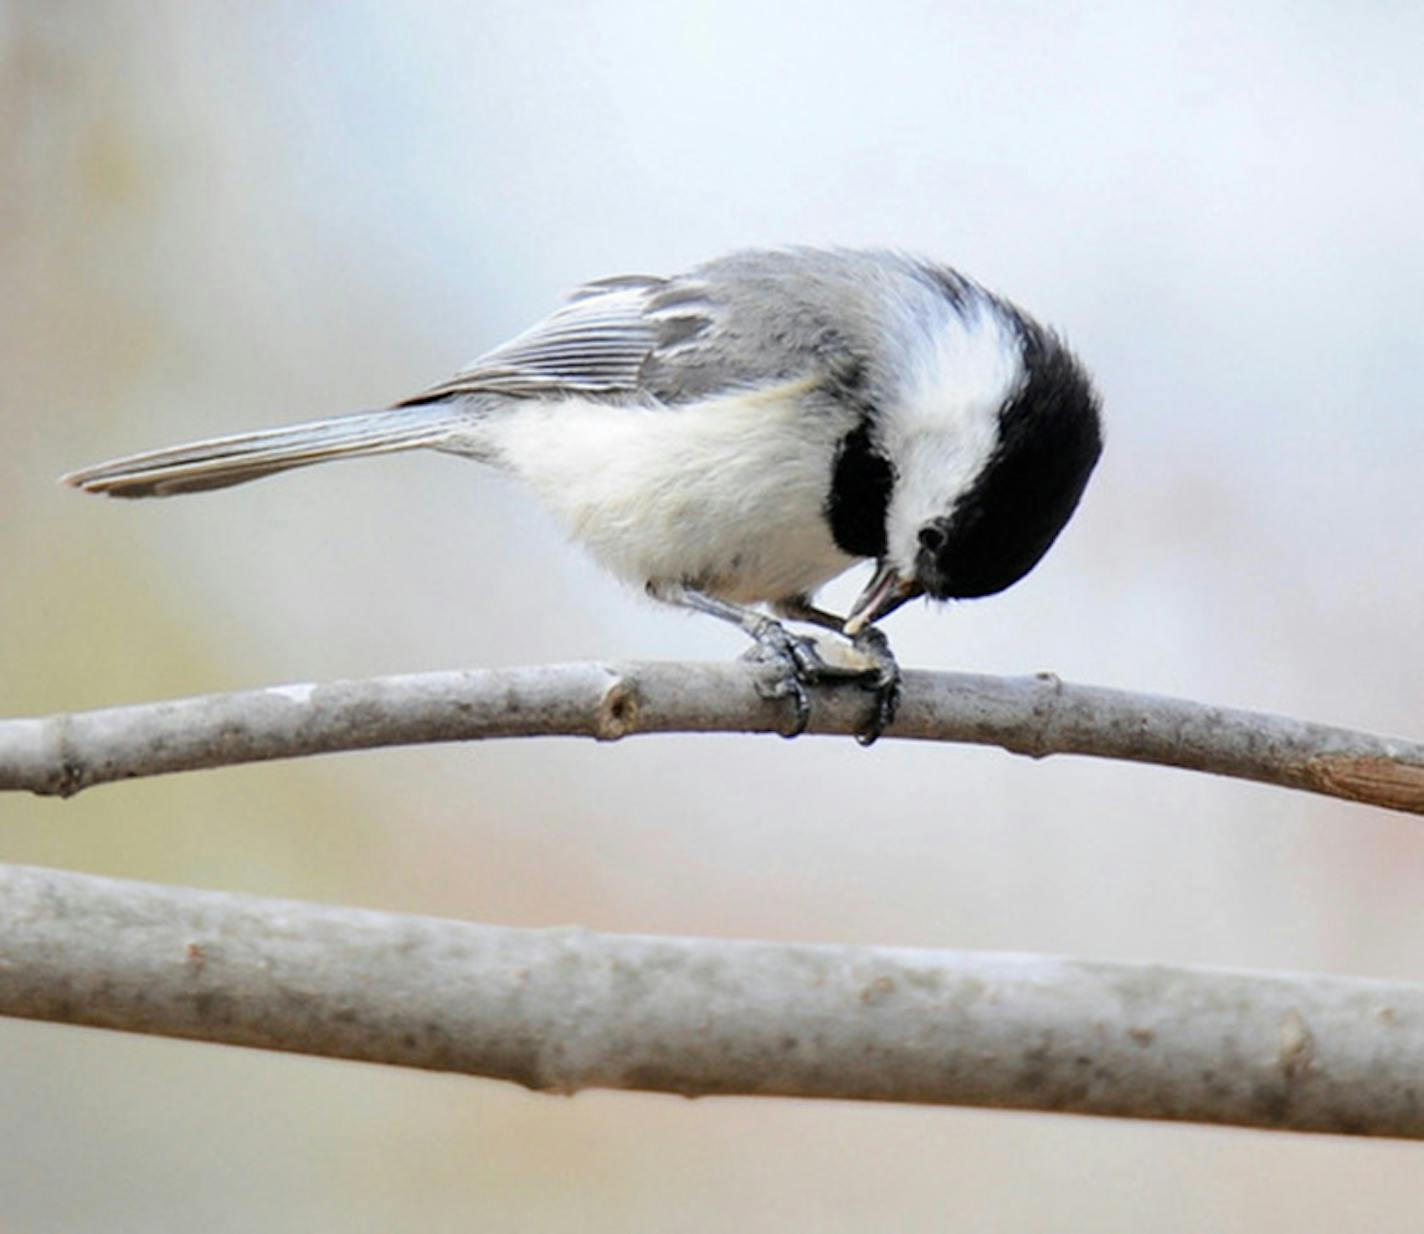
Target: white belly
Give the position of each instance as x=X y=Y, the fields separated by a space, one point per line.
x=728 y=496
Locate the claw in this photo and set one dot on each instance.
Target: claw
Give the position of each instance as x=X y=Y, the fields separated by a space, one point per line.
x=799 y=660
x=801 y=666
x=790 y=687
x=883 y=678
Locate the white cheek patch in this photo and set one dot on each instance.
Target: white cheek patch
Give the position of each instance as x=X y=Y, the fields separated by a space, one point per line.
x=947 y=426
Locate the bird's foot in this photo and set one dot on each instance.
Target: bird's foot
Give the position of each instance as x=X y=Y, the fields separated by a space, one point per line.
x=803 y=664
x=800 y=663
x=867 y=660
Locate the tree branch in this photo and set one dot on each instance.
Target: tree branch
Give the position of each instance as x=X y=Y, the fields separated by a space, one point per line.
x=566 y=1009
x=1036 y=716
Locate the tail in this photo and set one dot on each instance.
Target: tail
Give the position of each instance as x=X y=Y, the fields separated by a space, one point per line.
x=221 y=461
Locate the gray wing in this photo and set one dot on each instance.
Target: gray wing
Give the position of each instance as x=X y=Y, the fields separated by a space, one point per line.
x=601 y=342
x=747 y=319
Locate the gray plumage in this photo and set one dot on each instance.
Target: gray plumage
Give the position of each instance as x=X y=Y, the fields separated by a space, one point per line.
x=744 y=320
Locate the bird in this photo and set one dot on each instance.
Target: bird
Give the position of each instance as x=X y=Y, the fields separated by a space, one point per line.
x=732 y=438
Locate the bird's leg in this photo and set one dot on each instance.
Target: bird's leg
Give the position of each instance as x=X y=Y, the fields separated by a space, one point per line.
x=800 y=662
x=883 y=674
x=799 y=608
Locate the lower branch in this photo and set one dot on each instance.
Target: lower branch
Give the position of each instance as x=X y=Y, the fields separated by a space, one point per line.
x=1029 y=715
x=565 y=1009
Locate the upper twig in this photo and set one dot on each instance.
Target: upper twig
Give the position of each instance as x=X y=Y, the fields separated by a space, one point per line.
x=1028 y=715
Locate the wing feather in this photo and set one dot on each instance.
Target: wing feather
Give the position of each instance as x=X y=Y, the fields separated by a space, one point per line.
x=599 y=342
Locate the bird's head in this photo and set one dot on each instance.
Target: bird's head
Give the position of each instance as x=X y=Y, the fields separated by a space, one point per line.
x=987 y=449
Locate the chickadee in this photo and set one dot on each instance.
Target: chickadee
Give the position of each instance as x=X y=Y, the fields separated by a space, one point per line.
x=743 y=433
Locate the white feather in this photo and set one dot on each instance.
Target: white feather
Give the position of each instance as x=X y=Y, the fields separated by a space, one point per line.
x=727 y=494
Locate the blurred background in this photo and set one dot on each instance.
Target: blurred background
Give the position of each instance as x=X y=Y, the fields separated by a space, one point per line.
x=216 y=217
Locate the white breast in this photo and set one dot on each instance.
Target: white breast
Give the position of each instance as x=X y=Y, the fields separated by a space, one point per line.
x=728 y=495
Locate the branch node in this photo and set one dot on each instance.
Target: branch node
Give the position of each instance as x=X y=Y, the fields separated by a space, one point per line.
x=69 y=775
x=1038 y=742
x=617 y=714
x=1297 y=1046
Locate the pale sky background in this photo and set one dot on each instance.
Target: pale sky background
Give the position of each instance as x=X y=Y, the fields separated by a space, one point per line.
x=215 y=217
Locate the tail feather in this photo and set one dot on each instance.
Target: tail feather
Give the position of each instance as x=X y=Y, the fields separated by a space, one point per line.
x=221 y=461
